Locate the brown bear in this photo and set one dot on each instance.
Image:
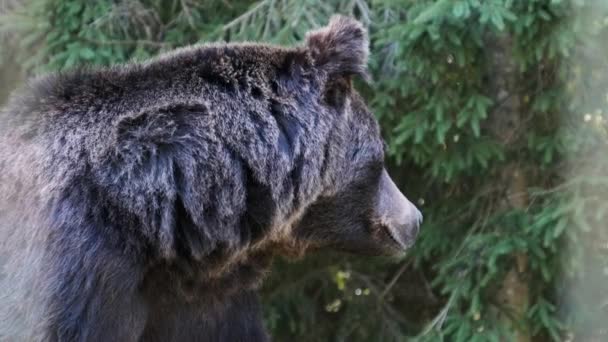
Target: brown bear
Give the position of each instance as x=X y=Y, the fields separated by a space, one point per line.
x=144 y=202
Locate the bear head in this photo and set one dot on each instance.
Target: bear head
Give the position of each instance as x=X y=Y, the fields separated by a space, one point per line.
x=360 y=208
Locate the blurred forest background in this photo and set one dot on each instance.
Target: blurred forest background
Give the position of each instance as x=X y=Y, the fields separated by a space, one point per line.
x=495 y=112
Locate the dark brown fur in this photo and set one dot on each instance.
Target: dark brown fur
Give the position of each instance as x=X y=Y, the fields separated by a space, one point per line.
x=146 y=201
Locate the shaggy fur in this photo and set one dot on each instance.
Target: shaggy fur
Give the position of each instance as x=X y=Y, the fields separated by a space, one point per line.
x=144 y=202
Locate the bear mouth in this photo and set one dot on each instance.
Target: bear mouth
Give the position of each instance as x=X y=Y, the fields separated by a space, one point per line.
x=396 y=242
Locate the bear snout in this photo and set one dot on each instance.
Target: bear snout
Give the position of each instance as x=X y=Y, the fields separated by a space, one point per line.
x=396 y=213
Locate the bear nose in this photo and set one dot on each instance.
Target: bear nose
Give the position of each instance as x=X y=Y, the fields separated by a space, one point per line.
x=401 y=218
x=406 y=231
x=410 y=228
x=418 y=218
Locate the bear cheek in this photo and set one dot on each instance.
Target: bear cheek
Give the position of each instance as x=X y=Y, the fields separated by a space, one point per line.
x=395 y=214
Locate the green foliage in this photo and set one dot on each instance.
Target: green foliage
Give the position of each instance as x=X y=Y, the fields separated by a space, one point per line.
x=63 y=34
x=453 y=144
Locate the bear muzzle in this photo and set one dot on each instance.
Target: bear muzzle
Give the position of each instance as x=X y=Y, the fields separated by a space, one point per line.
x=396 y=213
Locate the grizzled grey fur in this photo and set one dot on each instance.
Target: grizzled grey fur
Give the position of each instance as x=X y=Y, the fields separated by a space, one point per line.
x=144 y=202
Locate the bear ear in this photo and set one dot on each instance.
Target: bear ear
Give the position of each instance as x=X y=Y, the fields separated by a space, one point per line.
x=341 y=48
